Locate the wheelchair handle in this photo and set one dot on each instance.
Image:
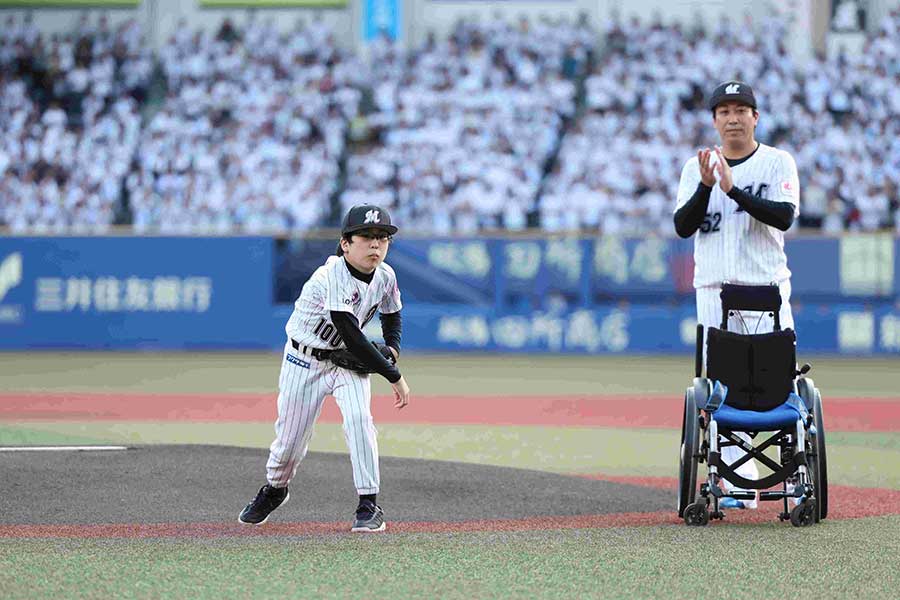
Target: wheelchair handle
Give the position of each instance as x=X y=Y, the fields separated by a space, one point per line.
x=698 y=356
x=761 y=298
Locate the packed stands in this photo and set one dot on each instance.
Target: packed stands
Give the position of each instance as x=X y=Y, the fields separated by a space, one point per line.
x=468 y=124
x=502 y=125
x=645 y=116
x=250 y=133
x=69 y=123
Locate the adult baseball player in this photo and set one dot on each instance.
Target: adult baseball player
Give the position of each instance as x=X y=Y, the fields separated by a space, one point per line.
x=334 y=306
x=739 y=199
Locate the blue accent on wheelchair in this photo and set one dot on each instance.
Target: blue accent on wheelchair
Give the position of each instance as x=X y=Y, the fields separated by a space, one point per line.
x=750 y=420
x=717 y=397
x=731 y=503
x=797 y=403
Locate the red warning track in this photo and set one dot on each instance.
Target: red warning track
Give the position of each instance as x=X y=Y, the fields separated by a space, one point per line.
x=844 y=503
x=654 y=411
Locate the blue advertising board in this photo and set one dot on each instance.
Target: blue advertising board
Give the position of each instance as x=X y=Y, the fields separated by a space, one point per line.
x=652 y=329
x=133 y=292
x=538 y=272
x=578 y=295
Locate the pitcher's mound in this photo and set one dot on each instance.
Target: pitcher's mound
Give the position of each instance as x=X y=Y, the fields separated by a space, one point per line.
x=191 y=484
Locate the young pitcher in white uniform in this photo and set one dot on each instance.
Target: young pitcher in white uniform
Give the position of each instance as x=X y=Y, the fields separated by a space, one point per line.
x=335 y=304
x=739 y=199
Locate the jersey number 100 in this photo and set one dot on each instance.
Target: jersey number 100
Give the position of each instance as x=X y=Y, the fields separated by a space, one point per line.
x=327 y=332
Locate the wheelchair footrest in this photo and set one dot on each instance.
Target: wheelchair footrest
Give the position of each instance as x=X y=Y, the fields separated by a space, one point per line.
x=741 y=495
x=773 y=495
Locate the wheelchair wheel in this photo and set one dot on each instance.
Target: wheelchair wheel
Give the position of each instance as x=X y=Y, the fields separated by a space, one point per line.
x=812 y=467
x=820 y=479
x=804 y=514
x=687 y=467
x=819 y=466
x=696 y=514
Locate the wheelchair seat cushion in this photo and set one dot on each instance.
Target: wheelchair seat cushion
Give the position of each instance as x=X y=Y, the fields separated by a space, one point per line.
x=758 y=369
x=779 y=417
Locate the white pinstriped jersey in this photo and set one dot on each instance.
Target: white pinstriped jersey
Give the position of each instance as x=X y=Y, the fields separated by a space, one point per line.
x=731 y=245
x=333 y=287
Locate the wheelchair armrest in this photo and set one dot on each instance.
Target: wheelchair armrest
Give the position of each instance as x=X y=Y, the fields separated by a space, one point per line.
x=806 y=389
x=702 y=390
x=709 y=395
x=799 y=404
x=717 y=398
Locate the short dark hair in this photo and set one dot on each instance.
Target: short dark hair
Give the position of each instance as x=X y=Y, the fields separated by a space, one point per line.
x=344 y=236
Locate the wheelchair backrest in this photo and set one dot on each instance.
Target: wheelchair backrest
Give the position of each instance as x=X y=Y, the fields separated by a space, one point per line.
x=758 y=369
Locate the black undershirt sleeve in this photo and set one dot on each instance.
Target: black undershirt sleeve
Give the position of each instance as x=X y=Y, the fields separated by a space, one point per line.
x=690 y=216
x=777 y=214
x=348 y=328
x=392 y=329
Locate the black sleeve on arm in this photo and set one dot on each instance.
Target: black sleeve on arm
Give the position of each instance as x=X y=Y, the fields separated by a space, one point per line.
x=392 y=329
x=689 y=217
x=777 y=214
x=348 y=328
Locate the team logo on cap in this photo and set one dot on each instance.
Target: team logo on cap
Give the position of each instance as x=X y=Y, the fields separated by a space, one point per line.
x=733 y=89
x=373 y=217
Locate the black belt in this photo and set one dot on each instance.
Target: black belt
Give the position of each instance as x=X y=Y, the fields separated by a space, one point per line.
x=317 y=353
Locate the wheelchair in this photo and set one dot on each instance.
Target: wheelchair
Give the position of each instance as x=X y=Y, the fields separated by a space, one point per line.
x=753 y=386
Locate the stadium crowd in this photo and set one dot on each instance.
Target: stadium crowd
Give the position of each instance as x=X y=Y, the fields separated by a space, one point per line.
x=499 y=126
x=468 y=124
x=69 y=122
x=645 y=116
x=250 y=133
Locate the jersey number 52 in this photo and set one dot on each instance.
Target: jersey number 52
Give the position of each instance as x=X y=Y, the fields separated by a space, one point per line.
x=711 y=222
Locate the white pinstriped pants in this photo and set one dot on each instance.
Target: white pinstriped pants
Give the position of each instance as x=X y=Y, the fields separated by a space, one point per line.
x=709 y=314
x=301 y=393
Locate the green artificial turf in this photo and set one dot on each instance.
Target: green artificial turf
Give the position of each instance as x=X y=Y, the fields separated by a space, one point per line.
x=858 y=459
x=428 y=374
x=835 y=559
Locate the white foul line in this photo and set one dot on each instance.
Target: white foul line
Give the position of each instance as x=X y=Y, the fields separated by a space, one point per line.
x=59 y=448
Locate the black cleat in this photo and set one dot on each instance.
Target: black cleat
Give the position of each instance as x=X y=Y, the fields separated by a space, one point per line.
x=369 y=518
x=267 y=499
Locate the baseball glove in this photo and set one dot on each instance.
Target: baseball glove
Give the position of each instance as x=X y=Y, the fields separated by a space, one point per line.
x=347 y=360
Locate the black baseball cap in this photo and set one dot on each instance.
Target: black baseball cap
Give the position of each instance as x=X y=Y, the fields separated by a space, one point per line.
x=732 y=91
x=367 y=216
